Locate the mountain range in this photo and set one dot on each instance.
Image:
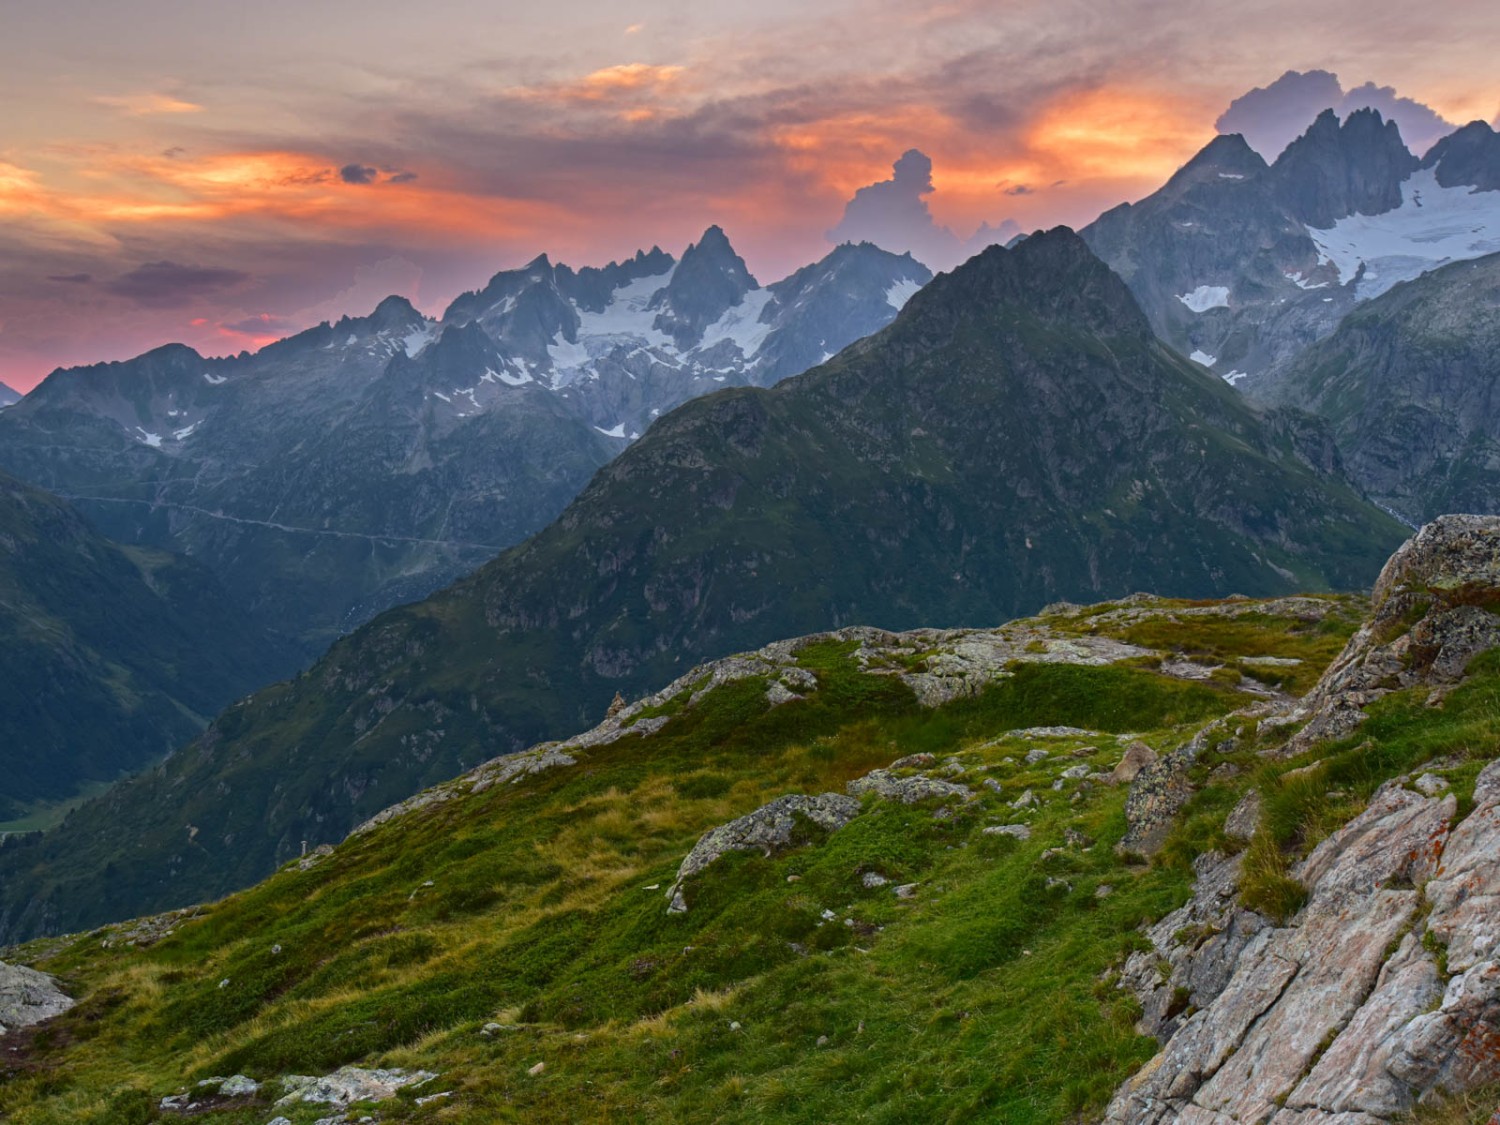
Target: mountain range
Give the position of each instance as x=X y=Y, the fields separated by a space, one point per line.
x=1408 y=382
x=1243 y=264
x=8 y=397
x=365 y=463
x=1015 y=437
x=110 y=656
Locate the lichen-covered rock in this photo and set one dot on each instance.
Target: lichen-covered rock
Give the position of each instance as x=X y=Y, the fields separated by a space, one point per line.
x=769 y=828
x=907 y=790
x=350 y=1084
x=1244 y=818
x=1426 y=624
x=28 y=997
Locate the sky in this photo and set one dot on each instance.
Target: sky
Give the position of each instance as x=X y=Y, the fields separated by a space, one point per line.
x=222 y=173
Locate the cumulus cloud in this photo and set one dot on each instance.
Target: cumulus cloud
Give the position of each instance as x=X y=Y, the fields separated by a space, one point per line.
x=1271 y=117
x=894 y=215
x=169 y=285
x=358 y=174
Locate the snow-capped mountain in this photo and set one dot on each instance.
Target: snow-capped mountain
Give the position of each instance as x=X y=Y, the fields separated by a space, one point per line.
x=364 y=463
x=1243 y=265
x=629 y=342
x=8 y=397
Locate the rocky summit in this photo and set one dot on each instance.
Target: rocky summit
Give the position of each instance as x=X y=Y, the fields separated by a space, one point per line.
x=823 y=877
x=1243 y=265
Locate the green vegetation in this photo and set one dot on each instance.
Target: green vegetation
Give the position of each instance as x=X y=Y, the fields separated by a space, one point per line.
x=110 y=656
x=798 y=986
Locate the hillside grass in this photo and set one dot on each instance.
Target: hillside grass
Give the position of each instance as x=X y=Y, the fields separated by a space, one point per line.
x=540 y=906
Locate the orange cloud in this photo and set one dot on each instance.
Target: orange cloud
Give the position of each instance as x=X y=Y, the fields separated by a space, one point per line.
x=288 y=187
x=147 y=104
x=608 y=84
x=1117 y=134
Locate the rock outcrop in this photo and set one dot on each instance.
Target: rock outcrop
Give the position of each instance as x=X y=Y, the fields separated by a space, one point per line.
x=767 y=829
x=1427 y=622
x=1383 y=990
x=28 y=997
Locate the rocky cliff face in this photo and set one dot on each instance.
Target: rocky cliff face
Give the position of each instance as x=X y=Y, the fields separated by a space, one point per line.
x=1408 y=382
x=1243 y=266
x=1383 y=989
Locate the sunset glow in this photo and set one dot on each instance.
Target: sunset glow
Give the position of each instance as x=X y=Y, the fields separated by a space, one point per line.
x=459 y=155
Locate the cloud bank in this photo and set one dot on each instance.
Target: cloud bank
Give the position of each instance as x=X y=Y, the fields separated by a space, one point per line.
x=1273 y=116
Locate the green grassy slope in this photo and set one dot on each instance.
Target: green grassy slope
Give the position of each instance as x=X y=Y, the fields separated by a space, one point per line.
x=790 y=989
x=109 y=656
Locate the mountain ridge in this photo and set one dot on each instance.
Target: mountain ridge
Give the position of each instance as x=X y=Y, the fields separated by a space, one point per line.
x=984 y=455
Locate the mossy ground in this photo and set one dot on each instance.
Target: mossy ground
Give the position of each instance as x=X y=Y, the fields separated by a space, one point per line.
x=539 y=906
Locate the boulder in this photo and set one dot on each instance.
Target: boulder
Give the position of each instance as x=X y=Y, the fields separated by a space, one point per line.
x=768 y=829
x=28 y=997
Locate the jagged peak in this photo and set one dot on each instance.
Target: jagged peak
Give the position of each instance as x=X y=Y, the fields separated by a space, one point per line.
x=1228 y=150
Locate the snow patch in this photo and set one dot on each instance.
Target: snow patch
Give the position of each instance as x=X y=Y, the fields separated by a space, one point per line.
x=416 y=341
x=1206 y=297
x=1233 y=377
x=185 y=433
x=1302 y=283
x=741 y=325
x=628 y=316
x=153 y=440
x=904 y=290
x=1204 y=358
x=214 y=380
x=1433 y=226
x=617 y=430
x=1230 y=176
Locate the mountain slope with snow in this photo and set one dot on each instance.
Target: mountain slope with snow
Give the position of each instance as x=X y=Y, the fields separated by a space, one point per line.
x=368 y=462
x=1246 y=264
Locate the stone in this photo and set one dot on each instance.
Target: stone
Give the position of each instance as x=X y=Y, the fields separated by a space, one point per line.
x=239 y=1086
x=907 y=890
x=1244 y=818
x=1430 y=785
x=771 y=827
x=777 y=693
x=1076 y=773
x=914 y=762
x=616 y=705
x=1035 y=756
x=1137 y=757
x=1293 y=987
x=176 y=1103
x=537 y=1069
x=1025 y=801
x=1019 y=831
x=28 y=997
x=873 y=879
x=907 y=790
x=1465 y=892
x=351 y=1084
